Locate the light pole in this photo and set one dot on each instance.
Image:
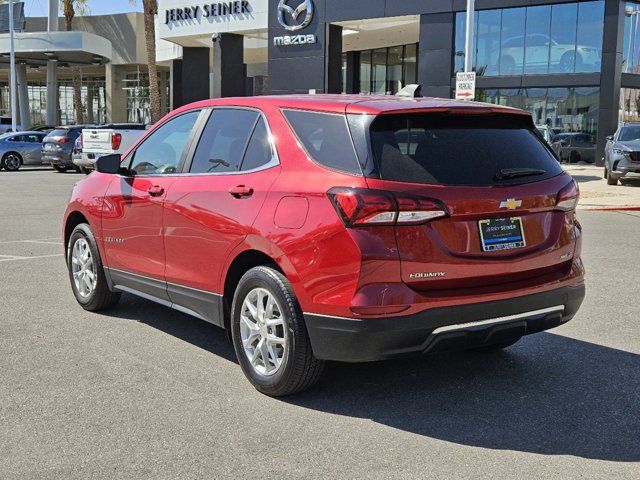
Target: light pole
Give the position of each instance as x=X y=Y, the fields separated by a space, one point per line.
x=12 y=69
x=469 y=44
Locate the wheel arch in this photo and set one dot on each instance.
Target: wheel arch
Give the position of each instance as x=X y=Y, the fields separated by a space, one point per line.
x=238 y=266
x=74 y=219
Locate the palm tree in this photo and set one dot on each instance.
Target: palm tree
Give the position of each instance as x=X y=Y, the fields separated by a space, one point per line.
x=69 y=8
x=150 y=8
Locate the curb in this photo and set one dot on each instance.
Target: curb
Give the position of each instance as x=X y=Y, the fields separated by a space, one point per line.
x=609 y=209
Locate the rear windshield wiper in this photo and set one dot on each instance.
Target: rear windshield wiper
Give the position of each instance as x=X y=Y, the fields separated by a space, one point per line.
x=506 y=173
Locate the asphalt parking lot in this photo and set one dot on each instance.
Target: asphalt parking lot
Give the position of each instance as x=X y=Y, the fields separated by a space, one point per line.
x=147 y=392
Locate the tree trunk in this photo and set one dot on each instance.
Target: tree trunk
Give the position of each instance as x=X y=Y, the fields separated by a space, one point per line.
x=77 y=95
x=150 y=9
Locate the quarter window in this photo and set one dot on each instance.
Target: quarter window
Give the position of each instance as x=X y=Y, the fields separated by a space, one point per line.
x=224 y=140
x=160 y=153
x=326 y=139
x=259 y=151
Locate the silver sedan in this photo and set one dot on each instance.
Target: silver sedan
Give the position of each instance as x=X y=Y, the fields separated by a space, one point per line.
x=20 y=148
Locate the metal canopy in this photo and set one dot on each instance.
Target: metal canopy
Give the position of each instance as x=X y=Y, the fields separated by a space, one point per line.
x=72 y=48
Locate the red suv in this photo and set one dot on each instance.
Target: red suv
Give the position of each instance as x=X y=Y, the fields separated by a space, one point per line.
x=344 y=228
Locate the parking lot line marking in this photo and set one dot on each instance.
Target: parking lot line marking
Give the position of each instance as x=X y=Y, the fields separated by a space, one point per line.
x=35 y=240
x=15 y=259
x=48 y=242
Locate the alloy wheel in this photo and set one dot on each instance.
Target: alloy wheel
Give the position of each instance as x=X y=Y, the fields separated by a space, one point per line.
x=263 y=331
x=12 y=162
x=83 y=268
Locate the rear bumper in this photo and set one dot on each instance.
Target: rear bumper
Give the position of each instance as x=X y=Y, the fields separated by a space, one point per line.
x=441 y=329
x=61 y=158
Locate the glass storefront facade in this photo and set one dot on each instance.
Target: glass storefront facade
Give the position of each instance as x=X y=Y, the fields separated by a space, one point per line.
x=562 y=38
x=93 y=93
x=385 y=70
x=629 y=105
x=631 y=44
x=562 y=109
x=138 y=101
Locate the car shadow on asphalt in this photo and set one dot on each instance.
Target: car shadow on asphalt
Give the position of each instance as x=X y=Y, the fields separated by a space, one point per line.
x=587 y=178
x=177 y=324
x=548 y=394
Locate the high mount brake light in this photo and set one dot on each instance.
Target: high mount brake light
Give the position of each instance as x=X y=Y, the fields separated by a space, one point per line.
x=116 y=139
x=568 y=197
x=364 y=207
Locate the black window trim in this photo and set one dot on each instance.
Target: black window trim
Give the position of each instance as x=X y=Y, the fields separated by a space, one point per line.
x=311 y=157
x=196 y=129
x=275 y=158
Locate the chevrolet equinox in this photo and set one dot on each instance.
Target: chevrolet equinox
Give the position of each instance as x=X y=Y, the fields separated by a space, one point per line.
x=334 y=227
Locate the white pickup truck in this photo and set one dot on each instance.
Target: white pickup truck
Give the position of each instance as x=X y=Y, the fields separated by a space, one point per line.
x=106 y=140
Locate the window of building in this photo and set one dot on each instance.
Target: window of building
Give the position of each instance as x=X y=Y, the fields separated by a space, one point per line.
x=138 y=95
x=563 y=38
x=563 y=110
x=385 y=70
x=631 y=48
x=630 y=105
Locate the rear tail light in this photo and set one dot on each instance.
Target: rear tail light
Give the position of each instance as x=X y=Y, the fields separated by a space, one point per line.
x=116 y=139
x=63 y=140
x=363 y=207
x=568 y=197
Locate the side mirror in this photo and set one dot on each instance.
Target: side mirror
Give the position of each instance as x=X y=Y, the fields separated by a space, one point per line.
x=109 y=164
x=610 y=138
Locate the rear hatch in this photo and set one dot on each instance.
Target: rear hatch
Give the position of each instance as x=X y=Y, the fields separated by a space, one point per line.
x=57 y=140
x=97 y=140
x=497 y=185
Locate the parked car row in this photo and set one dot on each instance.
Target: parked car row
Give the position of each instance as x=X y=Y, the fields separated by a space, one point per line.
x=62 y=147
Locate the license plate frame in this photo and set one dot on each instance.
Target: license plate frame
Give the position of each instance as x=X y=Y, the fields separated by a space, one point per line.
x=507 y=234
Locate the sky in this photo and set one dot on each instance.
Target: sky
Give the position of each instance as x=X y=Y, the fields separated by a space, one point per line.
x=39 y=8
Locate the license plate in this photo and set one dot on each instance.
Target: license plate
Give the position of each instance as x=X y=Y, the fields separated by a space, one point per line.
x=501 y=234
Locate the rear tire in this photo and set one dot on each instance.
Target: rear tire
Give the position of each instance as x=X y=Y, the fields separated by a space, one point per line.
x=86 y=272
x=611 y=180
x=85 y=170
x=497 y=346
x=59 y=168
x=266 y=320
x=11 y=162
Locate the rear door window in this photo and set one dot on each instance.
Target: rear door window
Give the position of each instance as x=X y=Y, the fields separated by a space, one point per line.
x=326 y=138
x=259 y=152
x=458 y=149
x=224 y=141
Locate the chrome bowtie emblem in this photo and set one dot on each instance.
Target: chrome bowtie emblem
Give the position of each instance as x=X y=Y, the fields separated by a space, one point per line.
x=511 y=203
x=305 y=6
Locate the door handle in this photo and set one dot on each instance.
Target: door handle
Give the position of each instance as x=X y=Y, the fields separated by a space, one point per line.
x=241 y=191
x=155 y=191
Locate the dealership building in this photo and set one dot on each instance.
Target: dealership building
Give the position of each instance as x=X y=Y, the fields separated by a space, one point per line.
x=575 y=65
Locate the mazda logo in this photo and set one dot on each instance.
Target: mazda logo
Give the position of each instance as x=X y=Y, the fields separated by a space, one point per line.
x=283 y=9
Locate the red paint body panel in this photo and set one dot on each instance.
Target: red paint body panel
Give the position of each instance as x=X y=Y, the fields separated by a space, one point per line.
x=192 y=233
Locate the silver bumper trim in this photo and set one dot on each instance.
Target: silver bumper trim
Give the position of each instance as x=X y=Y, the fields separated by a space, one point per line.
x=498 y=320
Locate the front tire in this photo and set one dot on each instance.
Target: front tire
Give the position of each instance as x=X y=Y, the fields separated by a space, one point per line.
x=611 y=180
x=85 y=170
x=86 y=272
x=11 y=162
x=269 y=335
x=59 y=168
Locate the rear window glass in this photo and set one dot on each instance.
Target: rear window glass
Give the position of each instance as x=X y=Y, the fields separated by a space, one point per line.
x=458 y=150
x=58 y=132
x=326 y=138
